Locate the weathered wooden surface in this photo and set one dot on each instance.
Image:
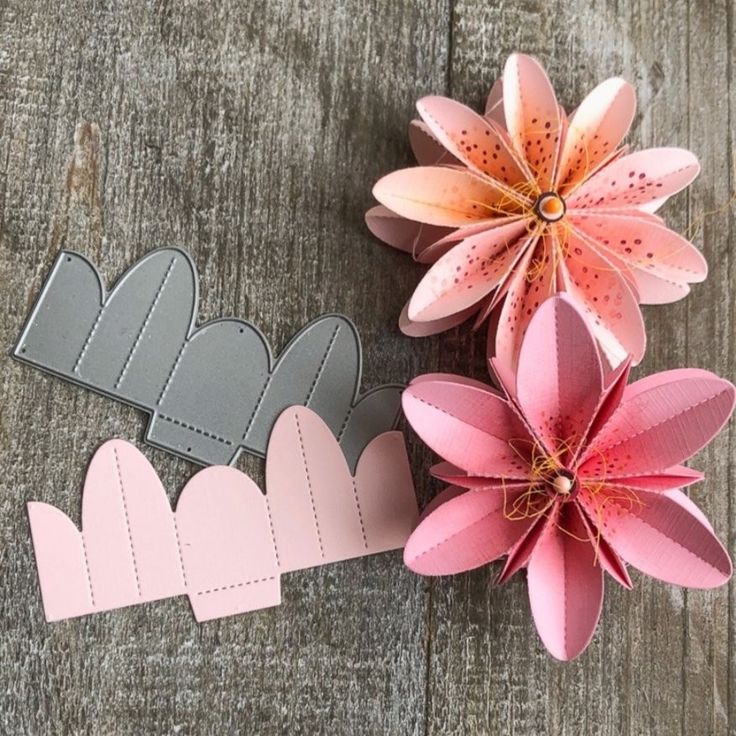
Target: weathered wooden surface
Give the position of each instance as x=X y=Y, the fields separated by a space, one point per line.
x=251 y=133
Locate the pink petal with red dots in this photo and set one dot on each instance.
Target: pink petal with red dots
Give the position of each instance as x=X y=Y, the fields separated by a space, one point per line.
x=427 y=150
x=467 y=273
x=533 y=281
x=559 y=402
x=660 y=426
x=470 y=138
x=595 y=131
x=643 y=246
x=662 y=538
x=638 y=179
x=438 y=195
x=407 y=235
x=436 y=250
x=532 y=116
x=463 y=533
x=425 y=329
x=607 y=301
x=565 y=585
x=470 y=427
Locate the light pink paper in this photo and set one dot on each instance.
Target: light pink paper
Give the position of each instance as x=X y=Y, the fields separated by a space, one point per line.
x=227 y=544
x=575 y=205
x=570 y=474
x=215 y=548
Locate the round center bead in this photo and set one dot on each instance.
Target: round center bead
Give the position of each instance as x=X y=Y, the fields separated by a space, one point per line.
x=549 y=207
x=562 y=485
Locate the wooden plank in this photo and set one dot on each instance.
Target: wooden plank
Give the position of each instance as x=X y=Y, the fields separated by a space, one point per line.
x=251 y=133
x=659 y=663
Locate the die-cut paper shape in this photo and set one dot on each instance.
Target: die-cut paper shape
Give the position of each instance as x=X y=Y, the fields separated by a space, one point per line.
x=226 y=544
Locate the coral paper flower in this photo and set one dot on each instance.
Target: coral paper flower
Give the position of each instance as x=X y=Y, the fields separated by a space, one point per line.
x=571 y=474
x=522 y=202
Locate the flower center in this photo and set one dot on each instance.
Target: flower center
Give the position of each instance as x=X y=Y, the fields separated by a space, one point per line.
x=564 y=485
x=549 y=207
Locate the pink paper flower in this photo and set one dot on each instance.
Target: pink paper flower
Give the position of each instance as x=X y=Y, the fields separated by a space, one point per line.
x=571 y=473
x=523 y=202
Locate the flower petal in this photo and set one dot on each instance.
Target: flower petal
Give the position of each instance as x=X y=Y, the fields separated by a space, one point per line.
x=662 y=425
x=467 y=273
x=559 y=402
x=595 y=131
x=689 y=505
x=673 y=478
x=637 y=179
x=643 y=245
x=650 y=289
x=434 y=327
x=438 y=195
x=467 y=426
x=427 y=150
x=532 y=116
x=662 y=538
x=609 y=305
x=442 y=497
x=615 y=385
x=435 y=251
x=470 y=138
x=519 y=554
x=402 y=234
x=565 y=585
x=533 y=280
x=450 y=473
x=464 y=532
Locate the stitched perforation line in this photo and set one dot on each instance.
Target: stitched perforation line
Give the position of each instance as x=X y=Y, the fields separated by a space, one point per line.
x=608 y=448
x=674 y=541
x=127 y=519
x=181 y=555
x=193 y=428
x=455 y=534
x=273 y=532
x=257 y=406
x=86 y=566
x=322 y=365
x=345 y=424
x=235 y=585
x=146 y=321
x=88 y=340
x=309 y=484
x=360 y=513
x=173 y=370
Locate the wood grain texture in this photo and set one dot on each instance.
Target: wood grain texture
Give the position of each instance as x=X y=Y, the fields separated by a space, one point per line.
x=251 y=134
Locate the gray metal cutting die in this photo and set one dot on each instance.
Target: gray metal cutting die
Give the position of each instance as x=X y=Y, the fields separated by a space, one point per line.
x=212 y=390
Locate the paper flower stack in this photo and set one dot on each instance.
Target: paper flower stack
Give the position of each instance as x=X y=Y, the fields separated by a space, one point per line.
x=521 y=203
x=544 y=224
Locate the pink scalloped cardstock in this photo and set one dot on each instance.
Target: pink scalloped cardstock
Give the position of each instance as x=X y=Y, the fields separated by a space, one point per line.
x=226 y=544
